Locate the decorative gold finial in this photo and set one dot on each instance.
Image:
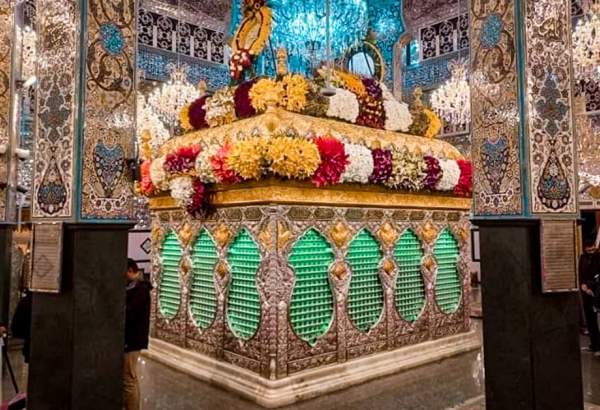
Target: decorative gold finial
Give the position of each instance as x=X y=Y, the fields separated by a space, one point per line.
x=202 y=88
x=282 y=61
x=146 y=149
x=417 y=103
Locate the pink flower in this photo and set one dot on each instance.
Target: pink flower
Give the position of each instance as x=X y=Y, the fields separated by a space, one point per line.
x=223 y=173
x=182 y=160
x=333 y=161
x=146 y=184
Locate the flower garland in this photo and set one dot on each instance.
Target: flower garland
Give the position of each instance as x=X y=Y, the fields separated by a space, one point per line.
x=223 y=173
x=196 y=115
x=397 y=116
x=333 y=161
x=464 y=187
x=296 y=88
x=241 y=100
x=361 y=164
x=182 y=160
x=435 y=124
x=146 y=185
x=182 y=190
x=220 y=108
x=450 y=175
x=247 y=156
x=203 y=167
x=343 y=105
x=325 y=160
x=158 y=176
x=434 y=173
x=408 y=170
x=291 y=157
x=264 y=91
x=382 y=166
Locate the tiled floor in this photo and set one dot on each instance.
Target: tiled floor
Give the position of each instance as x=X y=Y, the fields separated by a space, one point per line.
x=456 y=383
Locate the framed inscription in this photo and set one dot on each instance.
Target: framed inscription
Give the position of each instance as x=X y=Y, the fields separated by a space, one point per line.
x=559 y=255
x=47 y=257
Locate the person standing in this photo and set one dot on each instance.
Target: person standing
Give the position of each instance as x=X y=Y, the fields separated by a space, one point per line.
x=589 y=271
x=137 y=327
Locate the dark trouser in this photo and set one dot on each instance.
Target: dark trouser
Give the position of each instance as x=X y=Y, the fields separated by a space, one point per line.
x=591 y=318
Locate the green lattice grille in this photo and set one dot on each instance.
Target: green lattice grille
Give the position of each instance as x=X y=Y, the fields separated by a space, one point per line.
x=203 y=299
x=170 y=287
x=410 y=289
x=365 y=298
x=311 y=309
x=243 y=306
x=448 y=287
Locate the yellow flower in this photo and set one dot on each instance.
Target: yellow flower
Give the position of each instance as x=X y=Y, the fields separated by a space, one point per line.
x=435 y=124
x=184 y=117
x=266 y=92
x=352 y=83
x=247 y=156
x=296 y=88
x=291 y=157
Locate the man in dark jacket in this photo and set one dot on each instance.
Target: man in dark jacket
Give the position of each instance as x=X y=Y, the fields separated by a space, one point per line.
x=137 y=326
x=21 y=323
x=589 y=268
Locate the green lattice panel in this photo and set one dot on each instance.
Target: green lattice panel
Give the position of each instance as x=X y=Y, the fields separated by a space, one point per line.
x=410 y=288
x=448 y=288
x=365 y=298
x=203 y=298
x=169 y=297
x=243 y=305
x=311 y=309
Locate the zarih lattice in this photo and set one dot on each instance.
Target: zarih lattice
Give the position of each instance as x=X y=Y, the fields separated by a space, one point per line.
x=169 y=297
x=365 y=298
x=203 y=299
x=410 y=291
x=311 y=309
x=243 y=305
x=448 y=288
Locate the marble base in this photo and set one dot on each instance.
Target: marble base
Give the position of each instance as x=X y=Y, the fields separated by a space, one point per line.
x=311 y=383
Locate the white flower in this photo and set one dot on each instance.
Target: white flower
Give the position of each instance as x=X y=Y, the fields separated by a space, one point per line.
x=203 y=166
x=158 y=174
x=343 y=105
x=397 y=115
x=360 y=167
x=147 y=120
x=450 y=175
x=182 y=189
x=386 y=93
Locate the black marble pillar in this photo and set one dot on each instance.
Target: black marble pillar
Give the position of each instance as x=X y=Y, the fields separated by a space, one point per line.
x=5 y=271
x=77 y=335
x=531 y=339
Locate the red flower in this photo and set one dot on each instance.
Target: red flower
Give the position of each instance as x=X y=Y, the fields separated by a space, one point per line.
x=434 y=172
x=182 y=160
x=199 y=199
x=146 y=184
x=242 y=101
x=333 y=161
x=197 y=113
x=223 y=173
x=372 y=112
x=240 y=60
x=382 y=166
x=465 y=182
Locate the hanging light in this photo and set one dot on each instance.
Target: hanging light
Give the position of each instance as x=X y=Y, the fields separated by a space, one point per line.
x=147 y=120
x=168 y=100
x=452 y=101
x=586 y=45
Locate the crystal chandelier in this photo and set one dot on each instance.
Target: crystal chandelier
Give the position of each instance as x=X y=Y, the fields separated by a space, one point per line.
x=588 y=142
x=452 y=101
x=148 y=121
x=586 y=45
x=168 y=100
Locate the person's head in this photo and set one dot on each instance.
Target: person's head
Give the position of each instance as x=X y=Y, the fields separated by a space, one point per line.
x=589 y=246
x=133 y=272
